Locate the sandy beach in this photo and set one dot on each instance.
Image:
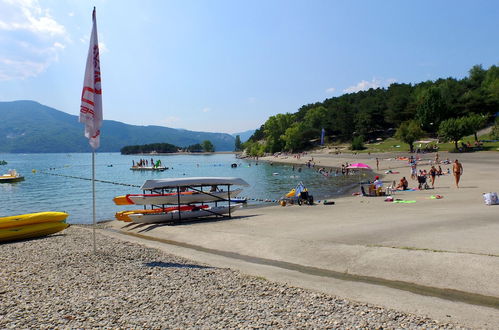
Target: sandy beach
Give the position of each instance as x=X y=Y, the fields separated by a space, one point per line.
x=361 y=262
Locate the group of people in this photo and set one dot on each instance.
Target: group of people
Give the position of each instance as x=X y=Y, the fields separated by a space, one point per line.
x=457 y=170
x=145 y=163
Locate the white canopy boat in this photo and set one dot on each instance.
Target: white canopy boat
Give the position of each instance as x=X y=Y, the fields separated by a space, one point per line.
x=184 y=215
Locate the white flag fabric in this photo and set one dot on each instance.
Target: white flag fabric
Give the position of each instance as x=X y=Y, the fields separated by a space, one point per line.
x=91 y=96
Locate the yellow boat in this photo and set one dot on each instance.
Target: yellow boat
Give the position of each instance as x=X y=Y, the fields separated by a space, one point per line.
x=31 y=231
x=122 y=200
x=125 y=215
x=12 y=176
x=31 y=218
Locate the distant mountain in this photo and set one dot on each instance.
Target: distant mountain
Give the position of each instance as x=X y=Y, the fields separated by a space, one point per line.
x=244 y=136
x=28 y=127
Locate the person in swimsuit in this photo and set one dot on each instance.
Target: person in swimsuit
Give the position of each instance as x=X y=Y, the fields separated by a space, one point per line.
x=457 y=169
x=414 y=171
x=403 y=184
x=433 y=174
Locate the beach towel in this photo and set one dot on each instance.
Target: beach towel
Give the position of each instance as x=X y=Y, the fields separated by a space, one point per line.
x=405 y=202
x=491 y=198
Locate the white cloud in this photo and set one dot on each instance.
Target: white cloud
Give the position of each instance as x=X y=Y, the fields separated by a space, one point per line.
x=29 y=16
x=365 y=85
x=330 y=90
x=205 y=110
x=59 y=45
x=31 y=39
x=20 y=69
x=71 y=14
x=170 y=120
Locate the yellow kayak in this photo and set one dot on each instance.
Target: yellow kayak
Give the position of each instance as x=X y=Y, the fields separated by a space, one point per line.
x=122 y=200
x=124 y=215
x=31 y=218
x=31 y=231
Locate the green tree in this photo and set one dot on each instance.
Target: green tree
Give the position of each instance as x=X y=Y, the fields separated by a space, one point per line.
x=316 y=118
x=431 y=109
x=476 y=76
x=254 y=148
x=474 y=123
x=398 y=98
x=363 y=123
x=358 y=143
x=208 y=146
x=494 y=134
x=237 y=143
x=195 y=148
x=293 y=138
x=408 y=132
x=453 y=129
x=274 y=129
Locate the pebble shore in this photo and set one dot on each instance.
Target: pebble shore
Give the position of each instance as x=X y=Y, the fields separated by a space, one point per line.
x=58 y=282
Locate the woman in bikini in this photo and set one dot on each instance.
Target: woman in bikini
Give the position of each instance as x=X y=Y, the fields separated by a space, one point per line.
x=433 y=174
x=457 y=169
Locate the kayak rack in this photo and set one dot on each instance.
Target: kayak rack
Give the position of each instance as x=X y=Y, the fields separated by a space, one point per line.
x=198 y=189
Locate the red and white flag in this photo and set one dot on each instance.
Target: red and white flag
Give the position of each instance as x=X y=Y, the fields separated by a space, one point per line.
x=91 y=96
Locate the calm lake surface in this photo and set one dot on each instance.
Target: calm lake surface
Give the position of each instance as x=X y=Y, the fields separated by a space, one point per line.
x=55 y=186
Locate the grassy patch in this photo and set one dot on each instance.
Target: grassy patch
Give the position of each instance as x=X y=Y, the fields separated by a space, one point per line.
x=394 y=145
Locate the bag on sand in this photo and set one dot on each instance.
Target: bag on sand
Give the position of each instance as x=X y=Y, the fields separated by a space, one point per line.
x=491 y=198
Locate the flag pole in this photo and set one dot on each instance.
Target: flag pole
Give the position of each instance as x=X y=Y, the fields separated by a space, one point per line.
x=91 y=107
x=93 y=200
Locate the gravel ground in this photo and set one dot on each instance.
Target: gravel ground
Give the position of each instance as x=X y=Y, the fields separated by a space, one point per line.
x=58 y=282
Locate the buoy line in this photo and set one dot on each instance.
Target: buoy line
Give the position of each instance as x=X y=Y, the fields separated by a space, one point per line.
x=137 y=186
x=88 y=179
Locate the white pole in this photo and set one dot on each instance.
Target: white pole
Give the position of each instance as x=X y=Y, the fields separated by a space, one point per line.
x=93 y=198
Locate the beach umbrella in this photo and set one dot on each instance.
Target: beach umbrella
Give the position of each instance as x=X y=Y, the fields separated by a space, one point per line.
x=359 y=165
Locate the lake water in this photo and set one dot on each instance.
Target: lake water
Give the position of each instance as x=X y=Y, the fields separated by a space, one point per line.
x=55 y=186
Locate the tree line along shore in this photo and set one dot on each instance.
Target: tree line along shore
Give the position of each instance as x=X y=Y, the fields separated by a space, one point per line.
x=446 y=109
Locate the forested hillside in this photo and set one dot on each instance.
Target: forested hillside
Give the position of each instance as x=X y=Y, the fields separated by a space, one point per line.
x=425 y=108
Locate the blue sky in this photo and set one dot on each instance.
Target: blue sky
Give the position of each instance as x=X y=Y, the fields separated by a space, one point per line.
x=226 y=66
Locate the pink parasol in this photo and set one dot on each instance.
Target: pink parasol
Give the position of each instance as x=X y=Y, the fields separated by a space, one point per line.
x=359 y=165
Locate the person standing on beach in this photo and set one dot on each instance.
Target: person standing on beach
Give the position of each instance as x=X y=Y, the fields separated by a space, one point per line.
x=433 y=174
x=414 y=170
x=457 y=169
x=377 y=164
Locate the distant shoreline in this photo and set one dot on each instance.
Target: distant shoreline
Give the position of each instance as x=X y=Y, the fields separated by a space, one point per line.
x=184 y=153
